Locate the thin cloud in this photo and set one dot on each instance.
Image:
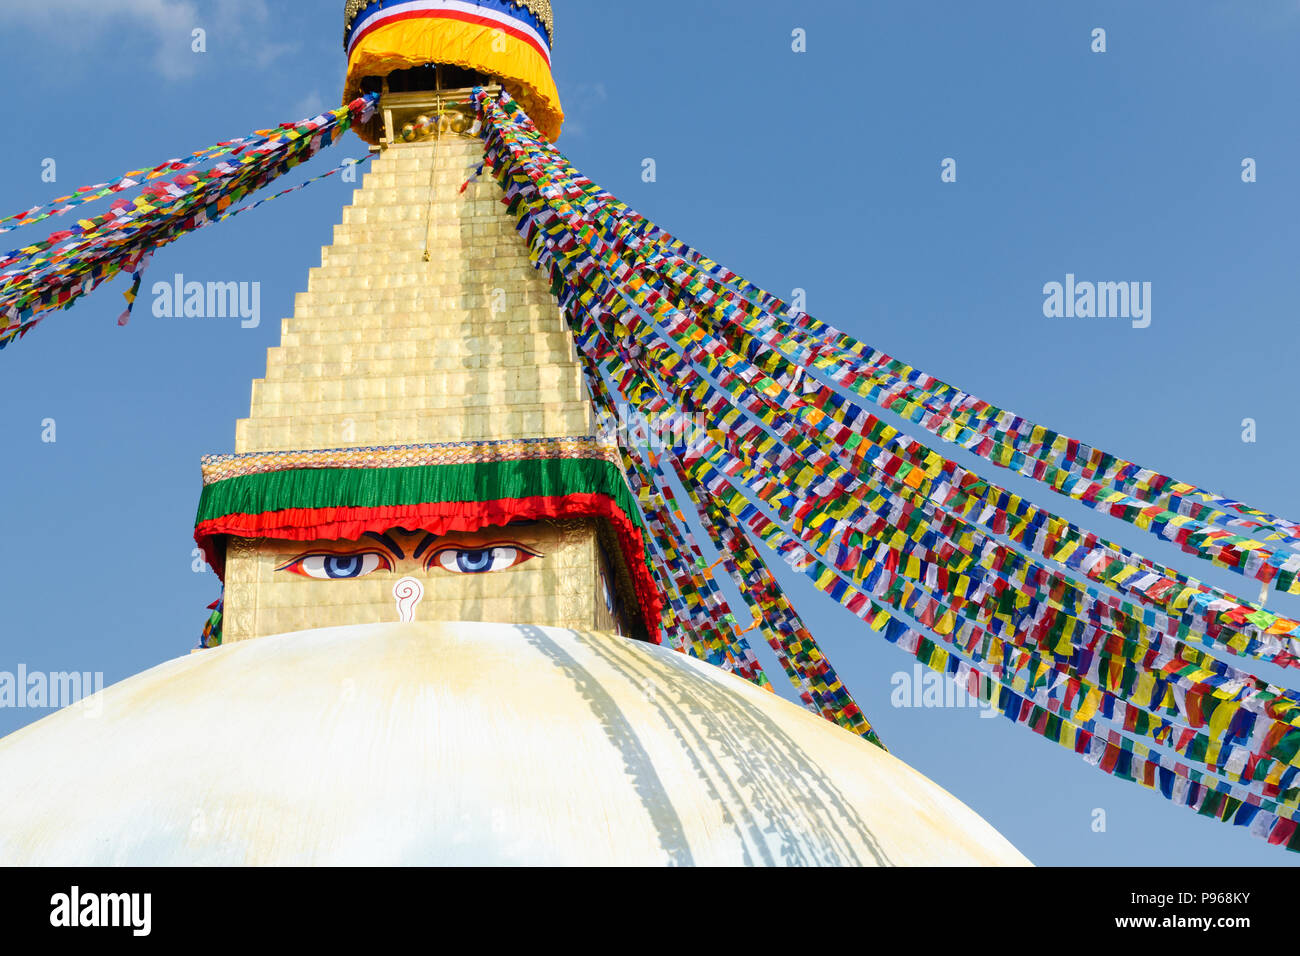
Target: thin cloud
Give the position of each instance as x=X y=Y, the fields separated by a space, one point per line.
x=580 y=100
x=312 y=104
x=232 y=24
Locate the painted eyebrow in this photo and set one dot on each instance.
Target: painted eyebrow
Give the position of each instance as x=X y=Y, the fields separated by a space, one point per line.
x=428 y=541
x=387 y=542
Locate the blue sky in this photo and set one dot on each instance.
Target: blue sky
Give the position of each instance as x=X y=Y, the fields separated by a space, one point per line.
x=816 y=170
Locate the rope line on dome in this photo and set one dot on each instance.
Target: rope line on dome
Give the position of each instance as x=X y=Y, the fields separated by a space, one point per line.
x=700 y=616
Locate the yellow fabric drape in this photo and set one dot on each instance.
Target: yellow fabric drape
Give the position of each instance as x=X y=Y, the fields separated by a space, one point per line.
x=403 y=44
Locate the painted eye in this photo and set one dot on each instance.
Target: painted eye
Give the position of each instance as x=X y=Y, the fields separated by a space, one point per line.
x=481 y=560
x=337 y=567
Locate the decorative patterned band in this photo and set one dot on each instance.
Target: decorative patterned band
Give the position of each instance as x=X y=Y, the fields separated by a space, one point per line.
x=221 y=467
x=540 y=9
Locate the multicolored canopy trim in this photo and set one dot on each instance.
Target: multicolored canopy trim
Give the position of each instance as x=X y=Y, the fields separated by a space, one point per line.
x=341 y=494
x=1086 y=643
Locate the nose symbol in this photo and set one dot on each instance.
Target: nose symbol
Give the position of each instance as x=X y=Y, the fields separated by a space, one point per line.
x=408 y=593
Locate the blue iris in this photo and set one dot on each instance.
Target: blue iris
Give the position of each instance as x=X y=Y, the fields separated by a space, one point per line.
x=474 y=562
x=343 y=565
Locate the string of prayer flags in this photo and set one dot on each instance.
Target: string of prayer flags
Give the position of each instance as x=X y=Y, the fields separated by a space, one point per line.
x=54 y=273
x=1081 y=641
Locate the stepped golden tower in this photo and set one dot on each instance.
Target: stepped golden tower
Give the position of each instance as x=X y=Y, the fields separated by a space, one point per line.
x=438 y=639
x=425 y=323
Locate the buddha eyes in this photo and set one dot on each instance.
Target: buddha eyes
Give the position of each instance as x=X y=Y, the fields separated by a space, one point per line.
x=457 y=559
x=338 y=567
x=500 y=557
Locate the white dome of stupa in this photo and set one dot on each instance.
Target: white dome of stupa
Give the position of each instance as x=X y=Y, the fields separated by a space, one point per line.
x=463 y=743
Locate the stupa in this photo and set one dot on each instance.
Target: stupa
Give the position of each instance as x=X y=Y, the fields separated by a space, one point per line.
x=440 y=638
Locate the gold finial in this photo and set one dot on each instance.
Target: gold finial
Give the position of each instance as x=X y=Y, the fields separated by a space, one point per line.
x=538 y=8
x=350 y=11
x=541 y=9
